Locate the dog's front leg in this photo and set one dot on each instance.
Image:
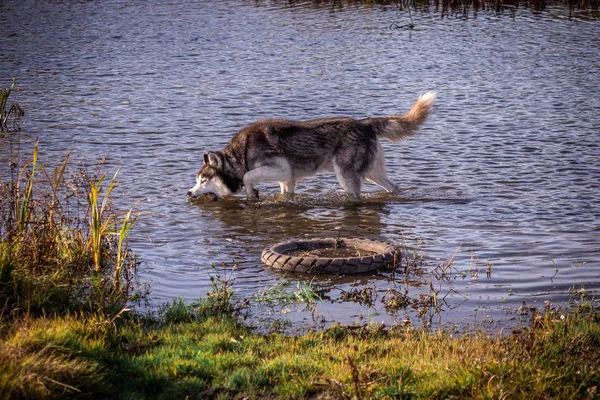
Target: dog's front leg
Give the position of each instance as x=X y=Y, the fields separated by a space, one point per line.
x=251 y=192
x=276 y=170
x=250 y=179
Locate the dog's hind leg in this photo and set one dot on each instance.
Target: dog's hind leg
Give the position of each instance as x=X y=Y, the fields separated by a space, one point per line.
x=350 y=182
x=383 y=181
x=378 y=175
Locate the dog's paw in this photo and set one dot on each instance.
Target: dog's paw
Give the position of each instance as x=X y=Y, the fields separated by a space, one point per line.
x=353 y=199
x=252 y=196
x=288 y=196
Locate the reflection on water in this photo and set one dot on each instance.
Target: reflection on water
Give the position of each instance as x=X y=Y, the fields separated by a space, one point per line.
x=505 y=172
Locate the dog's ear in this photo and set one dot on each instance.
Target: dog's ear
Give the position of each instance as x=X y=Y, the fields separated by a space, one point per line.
x=213 y=159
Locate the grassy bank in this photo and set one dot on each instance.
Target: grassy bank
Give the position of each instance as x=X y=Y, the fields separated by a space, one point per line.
x=213 y=356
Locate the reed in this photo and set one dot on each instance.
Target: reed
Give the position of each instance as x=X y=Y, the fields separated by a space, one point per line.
x=100 y=224
x=23 y=199
x=129 y=220
x=49 y=261
x=588 y=8
x=14 y=112
x=106 y=224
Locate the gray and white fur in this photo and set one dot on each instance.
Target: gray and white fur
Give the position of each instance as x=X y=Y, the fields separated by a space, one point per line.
x=284 y=151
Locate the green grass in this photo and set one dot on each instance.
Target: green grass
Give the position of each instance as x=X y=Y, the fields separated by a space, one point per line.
x=282 y=293
x=216 y=357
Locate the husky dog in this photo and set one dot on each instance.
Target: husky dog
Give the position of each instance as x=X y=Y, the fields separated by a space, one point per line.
x=284 y=151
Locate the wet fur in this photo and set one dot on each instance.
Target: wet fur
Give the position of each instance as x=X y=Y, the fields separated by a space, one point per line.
x=285 y=151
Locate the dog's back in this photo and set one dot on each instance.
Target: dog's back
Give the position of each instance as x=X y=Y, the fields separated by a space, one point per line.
x=307 y=145
x=311 y=145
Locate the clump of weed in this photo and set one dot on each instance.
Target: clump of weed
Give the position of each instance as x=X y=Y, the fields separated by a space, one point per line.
x=282 y=293
x=55 y=258
x=220 y=301
x=10 y=117
x=395 y=300
x=179 y=312
x=365 y=296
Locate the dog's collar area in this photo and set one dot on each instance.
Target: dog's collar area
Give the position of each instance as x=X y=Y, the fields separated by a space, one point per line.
x=239 y=170
x=234 y=181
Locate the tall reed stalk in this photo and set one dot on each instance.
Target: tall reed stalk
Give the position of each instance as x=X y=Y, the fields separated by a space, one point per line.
x=56 y=182
x=14 y=111
x=128 y=222
x=4 y=94
x=101 y=224
x=104 y=224
x=23 y=200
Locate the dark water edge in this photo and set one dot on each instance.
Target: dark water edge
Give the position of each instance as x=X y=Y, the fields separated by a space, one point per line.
x=576 y=8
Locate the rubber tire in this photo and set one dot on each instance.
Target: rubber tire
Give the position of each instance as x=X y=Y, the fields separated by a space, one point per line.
x=277 y=256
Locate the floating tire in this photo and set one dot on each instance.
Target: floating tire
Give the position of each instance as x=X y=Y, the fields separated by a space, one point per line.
x=279 y=257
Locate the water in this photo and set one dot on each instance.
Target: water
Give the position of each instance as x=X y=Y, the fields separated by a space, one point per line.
x=505 y=172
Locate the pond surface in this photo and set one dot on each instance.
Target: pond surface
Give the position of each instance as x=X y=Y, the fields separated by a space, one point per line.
x=503 y=179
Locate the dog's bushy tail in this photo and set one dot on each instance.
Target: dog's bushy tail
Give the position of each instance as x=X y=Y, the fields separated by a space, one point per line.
x=396 y=128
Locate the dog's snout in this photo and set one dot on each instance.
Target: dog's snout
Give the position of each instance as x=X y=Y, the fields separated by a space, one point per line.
x=189 y=193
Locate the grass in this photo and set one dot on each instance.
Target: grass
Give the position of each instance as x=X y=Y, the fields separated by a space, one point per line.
x=214 y=356
x=282 y=293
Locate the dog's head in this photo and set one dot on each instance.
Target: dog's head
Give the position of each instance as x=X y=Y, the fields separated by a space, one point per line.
x=211 y=178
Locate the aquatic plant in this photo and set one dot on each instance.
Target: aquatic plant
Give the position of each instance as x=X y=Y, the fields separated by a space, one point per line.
x=9 y=119
x=23 y=198
x=48 y=261
x=280 y=293
x=220 y=301
x=364 y=296
x=461 y=7
x=100 y=225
